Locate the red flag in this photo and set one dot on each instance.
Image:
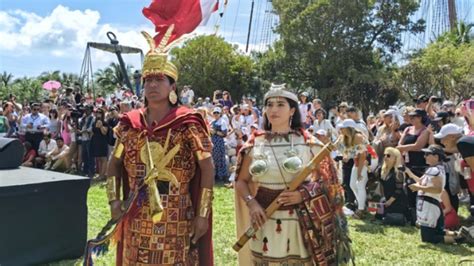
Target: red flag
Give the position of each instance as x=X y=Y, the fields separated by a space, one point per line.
x=186 y=15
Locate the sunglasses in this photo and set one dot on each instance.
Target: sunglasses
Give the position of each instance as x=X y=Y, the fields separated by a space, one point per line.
x=428 y=154
x=387 y=155
x=216 y=113
x=36 y=109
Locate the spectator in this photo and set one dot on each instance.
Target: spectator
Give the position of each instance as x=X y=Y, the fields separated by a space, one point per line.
x=199 y=103
x=412 y=141
x=218 y=133
x=323 y=124
x=353 y=113
x=99 y=142
x=392 y=187
x=4 y=125
x=354 y=150
x=322 y=135
x=54 y=125
x=429 y=187
x=304 y=106
x=12 y=118
x=30 y=155
x=226 y=100
x=35 y=124
x=454 y=142
x=86 y=127
x=46 y=146
x=190 y=95
x=57 y=160
x=45 y=108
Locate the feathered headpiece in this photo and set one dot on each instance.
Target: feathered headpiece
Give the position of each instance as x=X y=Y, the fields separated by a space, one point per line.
x=156 y=60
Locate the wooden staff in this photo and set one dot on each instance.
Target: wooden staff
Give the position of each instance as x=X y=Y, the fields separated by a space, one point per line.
x=295 y=183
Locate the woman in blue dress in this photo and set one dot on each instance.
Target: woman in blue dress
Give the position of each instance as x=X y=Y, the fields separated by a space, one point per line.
x=219 y=129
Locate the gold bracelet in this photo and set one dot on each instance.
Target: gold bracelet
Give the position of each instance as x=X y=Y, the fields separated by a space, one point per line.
x=118 y=149
x=112 y=188
x=205 y=203
x=201 y=155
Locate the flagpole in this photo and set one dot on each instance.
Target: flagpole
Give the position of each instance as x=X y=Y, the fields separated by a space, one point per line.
x=250 y=27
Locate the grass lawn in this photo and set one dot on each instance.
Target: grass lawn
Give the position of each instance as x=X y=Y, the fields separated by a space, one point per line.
x=372 y=243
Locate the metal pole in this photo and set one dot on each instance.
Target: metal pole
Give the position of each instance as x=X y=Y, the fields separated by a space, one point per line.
x=250 y=27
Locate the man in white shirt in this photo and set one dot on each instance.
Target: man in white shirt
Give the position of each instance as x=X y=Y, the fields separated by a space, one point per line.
x=35 y=124
x=353 y=113
x=46 y=146
x=57 y=159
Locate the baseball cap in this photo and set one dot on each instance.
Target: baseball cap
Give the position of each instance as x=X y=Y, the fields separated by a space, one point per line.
x=254 y=126
x=448 y=103
x=217 y=110
x=390 y=112
x=421 y=99
x=348 y=123
x=418 y=112
x=434 y=149
x=448 y=129
x=440 y=115
x=304 y=93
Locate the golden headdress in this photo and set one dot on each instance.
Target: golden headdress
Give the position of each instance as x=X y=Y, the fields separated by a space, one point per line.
x=280 y=91
x=156 y=60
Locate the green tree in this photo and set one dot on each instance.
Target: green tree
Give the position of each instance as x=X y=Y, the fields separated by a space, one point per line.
x=107 y=79
x=208 y=63
x=339 y=47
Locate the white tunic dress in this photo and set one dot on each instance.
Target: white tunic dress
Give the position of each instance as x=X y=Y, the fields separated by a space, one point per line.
x=280 y=241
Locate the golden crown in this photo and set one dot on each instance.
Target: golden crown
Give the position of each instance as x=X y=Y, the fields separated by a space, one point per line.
x=156 y=60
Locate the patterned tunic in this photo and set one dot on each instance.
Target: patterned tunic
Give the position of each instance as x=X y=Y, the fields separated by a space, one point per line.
x=281 y=240
x=166 y=242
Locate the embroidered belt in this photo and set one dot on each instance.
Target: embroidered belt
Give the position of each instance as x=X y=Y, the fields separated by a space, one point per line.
x=266 y=196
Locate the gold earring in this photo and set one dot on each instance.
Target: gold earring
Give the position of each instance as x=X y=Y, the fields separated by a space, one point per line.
x=173 y=97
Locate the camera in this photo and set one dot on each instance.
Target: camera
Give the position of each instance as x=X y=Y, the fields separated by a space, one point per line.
x=401 y=168
x=338 y=158
x=436 y=99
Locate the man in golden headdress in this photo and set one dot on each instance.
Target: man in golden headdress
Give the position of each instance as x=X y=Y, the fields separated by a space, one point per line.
x=163 y=165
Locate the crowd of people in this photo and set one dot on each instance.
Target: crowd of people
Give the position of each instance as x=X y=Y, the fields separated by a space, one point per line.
x=395 y=161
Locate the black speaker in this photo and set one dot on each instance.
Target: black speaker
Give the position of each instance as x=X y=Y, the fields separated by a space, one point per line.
x=11 y=153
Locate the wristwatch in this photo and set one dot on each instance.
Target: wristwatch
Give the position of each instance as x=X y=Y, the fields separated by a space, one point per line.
x=248 y=198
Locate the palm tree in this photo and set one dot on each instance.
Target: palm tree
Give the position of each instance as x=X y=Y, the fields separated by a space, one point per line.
x=28 y=89
x=108 y=78
x=50 y=75
x=462 y=32
x=69 y=79
x=6 y=78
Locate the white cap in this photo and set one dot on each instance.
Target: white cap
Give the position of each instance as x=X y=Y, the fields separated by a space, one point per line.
x=321 y=132
x=348 y=123
x=390 y=112
x=217 y=110
x=304 y=93
x=448 y=129
x=254 y=126
x=447 y=103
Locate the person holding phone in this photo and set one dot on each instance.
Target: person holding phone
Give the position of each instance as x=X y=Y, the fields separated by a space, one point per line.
x=429 y=188
x=35 y=123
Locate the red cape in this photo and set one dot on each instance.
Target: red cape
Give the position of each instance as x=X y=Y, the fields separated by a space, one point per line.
x=174 y=119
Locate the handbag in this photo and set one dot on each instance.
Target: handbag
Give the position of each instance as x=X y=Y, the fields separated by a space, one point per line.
x=394 y=219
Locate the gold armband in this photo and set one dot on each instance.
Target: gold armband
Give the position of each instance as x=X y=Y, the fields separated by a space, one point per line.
x=201 y=155
x=112 y=189
x=118 y=149
x=205 y=202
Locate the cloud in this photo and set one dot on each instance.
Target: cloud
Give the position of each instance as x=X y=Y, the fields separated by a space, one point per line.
x=63 y=34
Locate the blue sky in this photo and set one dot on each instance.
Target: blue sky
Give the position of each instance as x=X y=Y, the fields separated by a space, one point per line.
x=48 y=35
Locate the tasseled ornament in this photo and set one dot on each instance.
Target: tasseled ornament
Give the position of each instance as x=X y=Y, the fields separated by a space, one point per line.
x=254 y=237
x=291 y=211
x=278 y=229
x=288 y=245
x=265 y=246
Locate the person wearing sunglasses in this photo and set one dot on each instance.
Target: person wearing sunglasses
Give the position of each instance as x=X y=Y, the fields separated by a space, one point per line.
x=392 y=178
x=35 y=123
x=429 y=188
